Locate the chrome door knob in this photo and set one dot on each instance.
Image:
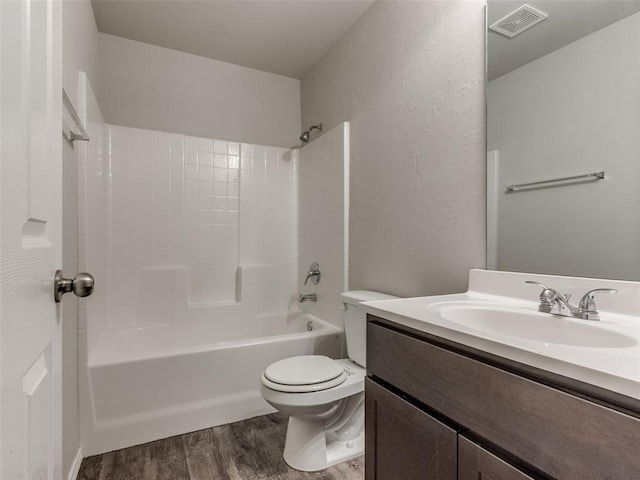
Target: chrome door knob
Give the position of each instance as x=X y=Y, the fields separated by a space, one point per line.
x=82 y=285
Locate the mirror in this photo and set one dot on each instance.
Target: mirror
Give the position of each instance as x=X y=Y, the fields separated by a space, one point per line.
x=564 y=105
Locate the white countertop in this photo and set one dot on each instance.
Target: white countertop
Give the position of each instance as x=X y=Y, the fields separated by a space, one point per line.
x=615 y=369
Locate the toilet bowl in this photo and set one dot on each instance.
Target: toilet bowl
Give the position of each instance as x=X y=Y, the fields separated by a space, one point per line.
x=324 y=398
x=325 y=426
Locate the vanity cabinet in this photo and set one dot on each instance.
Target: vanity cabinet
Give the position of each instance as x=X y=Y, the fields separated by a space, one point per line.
x=403 y=441
x=523 y=427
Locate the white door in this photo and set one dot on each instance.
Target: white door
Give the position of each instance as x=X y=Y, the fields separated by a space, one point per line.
x=30 y=238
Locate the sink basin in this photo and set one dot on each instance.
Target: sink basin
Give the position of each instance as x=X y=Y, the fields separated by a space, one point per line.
x=530 y=324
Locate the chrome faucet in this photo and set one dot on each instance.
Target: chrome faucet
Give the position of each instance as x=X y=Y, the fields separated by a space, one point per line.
x=551 y=301
x=310 y=297
x=313 y=274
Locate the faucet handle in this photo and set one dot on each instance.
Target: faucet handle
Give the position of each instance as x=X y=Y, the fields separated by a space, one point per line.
x=547 y=296
x=541 y=285
x=313 y=274
x=588 y=303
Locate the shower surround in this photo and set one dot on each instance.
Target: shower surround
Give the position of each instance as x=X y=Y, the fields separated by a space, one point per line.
x=174 y=225
x=194 y=246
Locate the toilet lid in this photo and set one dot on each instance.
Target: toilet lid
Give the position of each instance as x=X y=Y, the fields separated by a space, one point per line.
x=304 y=370
x=315 y=387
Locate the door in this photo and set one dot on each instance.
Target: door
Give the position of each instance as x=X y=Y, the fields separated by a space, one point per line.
x=475 y=463
x=403 y=442
x=30 y=233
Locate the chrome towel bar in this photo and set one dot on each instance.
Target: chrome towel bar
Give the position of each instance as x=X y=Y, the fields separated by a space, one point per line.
x=68 y=130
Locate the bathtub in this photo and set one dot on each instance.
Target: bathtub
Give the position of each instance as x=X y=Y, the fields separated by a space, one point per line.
x=153 y=382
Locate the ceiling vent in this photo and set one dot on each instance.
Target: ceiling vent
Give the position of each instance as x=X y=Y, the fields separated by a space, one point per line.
x=518 y=21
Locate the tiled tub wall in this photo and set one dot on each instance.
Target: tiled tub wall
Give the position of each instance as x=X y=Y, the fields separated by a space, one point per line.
x=268 y=228
x=184 y=214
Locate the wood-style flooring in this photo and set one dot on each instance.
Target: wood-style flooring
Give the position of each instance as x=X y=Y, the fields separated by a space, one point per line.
x=246 y=450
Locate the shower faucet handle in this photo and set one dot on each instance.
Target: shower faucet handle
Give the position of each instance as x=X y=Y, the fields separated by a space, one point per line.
x=313 y=274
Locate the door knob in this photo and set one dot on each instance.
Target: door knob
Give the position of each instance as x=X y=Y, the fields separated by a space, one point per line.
x=82 y=285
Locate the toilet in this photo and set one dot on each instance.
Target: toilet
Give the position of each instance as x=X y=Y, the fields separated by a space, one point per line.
x=324 y=398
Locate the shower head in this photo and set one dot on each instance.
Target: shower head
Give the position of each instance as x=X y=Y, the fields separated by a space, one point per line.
x=304 y=138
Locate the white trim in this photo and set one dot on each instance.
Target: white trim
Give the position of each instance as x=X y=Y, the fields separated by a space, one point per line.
x=493 y=179
x=347 y=195
x=75 y=466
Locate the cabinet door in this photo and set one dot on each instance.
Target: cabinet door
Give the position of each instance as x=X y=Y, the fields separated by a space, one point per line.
x=475 y=463
x=403 y=442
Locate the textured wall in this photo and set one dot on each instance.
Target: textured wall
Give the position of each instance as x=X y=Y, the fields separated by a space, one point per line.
x=155 y=88
x=409 y=76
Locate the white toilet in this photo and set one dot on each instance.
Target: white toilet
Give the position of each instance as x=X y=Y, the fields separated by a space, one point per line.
x=324 y=398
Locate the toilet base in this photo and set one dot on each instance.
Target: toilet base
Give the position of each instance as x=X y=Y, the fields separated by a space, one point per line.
x=306 y=448
x=312 y=445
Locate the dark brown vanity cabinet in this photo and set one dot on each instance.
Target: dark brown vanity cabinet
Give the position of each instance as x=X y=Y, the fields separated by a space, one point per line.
x=427 y=398
x=403 y=441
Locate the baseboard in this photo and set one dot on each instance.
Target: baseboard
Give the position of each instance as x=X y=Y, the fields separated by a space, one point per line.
x=75 y=466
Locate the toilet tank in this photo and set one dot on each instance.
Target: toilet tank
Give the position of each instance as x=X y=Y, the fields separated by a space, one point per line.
x=355 y=322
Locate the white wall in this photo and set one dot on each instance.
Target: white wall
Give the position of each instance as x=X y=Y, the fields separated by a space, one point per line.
x=409 y=77
x=323 y=206
x=80 y=44
x=155 y=88
x=571 y=112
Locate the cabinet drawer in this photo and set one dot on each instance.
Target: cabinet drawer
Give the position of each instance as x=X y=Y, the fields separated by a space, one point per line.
x=561 y=434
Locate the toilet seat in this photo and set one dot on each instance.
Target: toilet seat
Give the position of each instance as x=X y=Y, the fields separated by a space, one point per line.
x=314 y=387
x=304 y=374
x=301 y=401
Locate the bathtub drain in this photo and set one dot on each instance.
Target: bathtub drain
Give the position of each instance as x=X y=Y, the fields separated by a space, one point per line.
x=309 y=326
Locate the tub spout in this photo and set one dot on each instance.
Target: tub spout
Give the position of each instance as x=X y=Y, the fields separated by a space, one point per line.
x=310 y=297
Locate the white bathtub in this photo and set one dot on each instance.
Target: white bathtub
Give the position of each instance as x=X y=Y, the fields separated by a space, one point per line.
x=154 y=382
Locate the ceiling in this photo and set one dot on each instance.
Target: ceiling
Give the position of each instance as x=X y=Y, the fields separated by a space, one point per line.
x=285 y=37
x=569 y=20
